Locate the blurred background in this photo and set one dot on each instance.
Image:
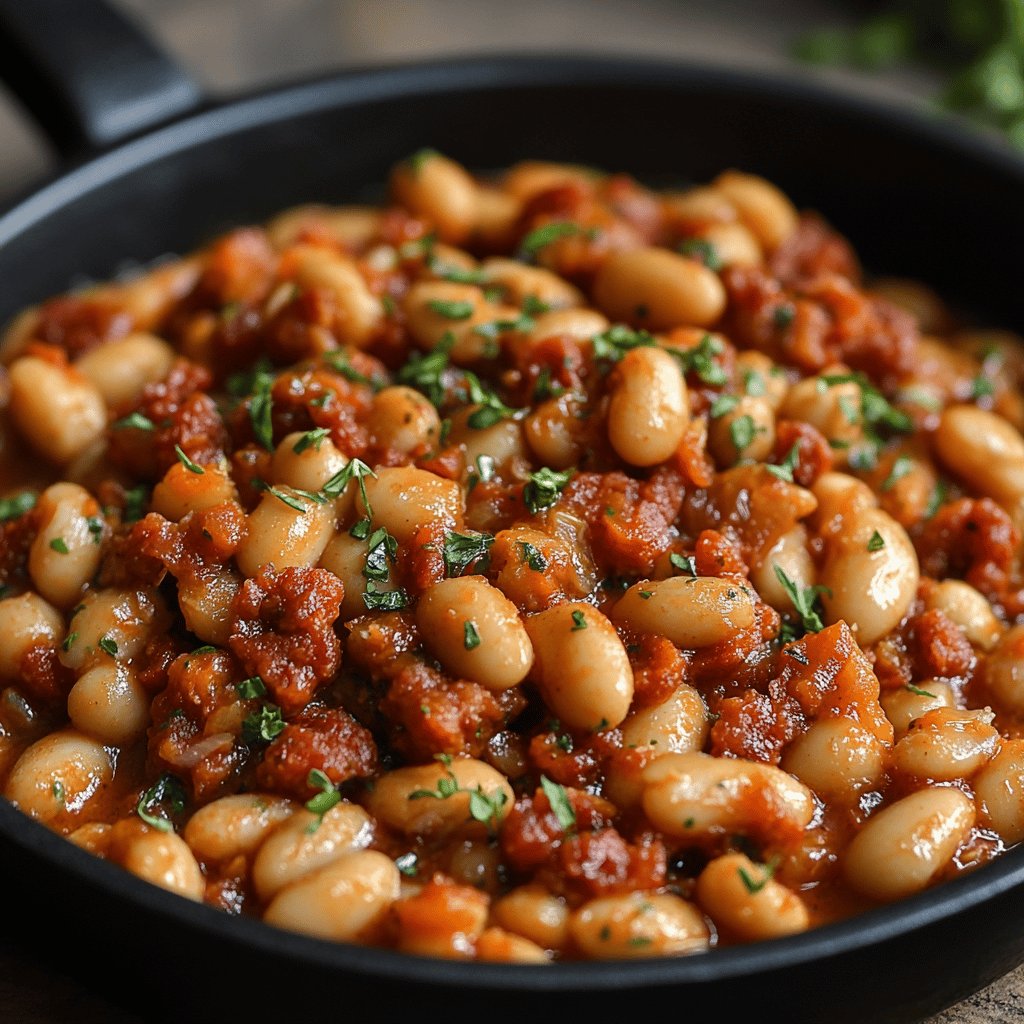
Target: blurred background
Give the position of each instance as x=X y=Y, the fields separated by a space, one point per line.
x=868 y=47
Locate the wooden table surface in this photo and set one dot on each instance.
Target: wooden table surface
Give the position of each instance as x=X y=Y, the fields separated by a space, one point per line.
x=233 y=44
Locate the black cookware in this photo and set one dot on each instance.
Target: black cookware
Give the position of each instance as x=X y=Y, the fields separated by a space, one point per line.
x=151 y=167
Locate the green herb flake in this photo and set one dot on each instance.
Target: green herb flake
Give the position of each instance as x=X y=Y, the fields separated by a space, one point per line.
x=58 y=791
x=134 y=421
x=408 y=865
x=544 y=487
x=262 y=726
x=251 y=688
x=700 y=360
x=385 y=600
x=311 y=439
x=982 y=387
x=686 y=564
x=900 y=468
x=532 y=557
x=425 y=372
x=451 y=310
x=754 y=886
x=543 y=236
x=613 y=344
x=876 y=542
x=167 y=792
x=320 y=804
x=579 y=621
x=356 y=469
x=723 y=404
x=16 y=506
x=920 y=692
x=382 y=548
x=804 y=600
x=491 y=408
x=108 y=645
x=703 y=251
x=191 y=466
x=561 y=806
x=470 y=635
x=783 y=316
x=785 y=469
x=69 y=641
x=59 y=545
x=462 y=550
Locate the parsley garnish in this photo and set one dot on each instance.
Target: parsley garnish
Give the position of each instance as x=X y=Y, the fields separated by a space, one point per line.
x=876 y=542
x=424 y=372
x=135 y=499
x=540 y=237
x=337 y=483
x=700 y=360
x=311 y=439
x=17 y=505
x=470 y=635
x=249 y=689
x=260 y=413
x=703 y=251
x=320 y=804
x=384 y=600
x=451 y=310
x=544 y=487
x=723 y=404
x=900 y=468
x=263 y=725
x=168 y=791
x=578 y=621
x=784 y=470
x=686 y=564
x=381 y=548
x=134 y=421
x=60 y=545
x=463 y=549
x=742 y=431
x=919 y=691
x=191 y=466
x=108 y=645
x=491 y=408
x=532 y=557
x=614 y=343
x=561 y=806
x=483 y=807
x=804 y=600
x=753 y=886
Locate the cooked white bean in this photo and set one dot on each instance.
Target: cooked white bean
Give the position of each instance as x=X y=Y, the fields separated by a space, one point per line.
x=181 y=491
x=536 y=914
x=475 y=631
x=497 y=946
x=743 y=898
x=501 y=441
x=205 y=603
x=520 y=282
x=837 y=758
x=120 y=369
x=108 y=703
x=581 y=666
x=26 y=621
x=359 y=311
x=353 y=226
x=164 y=859
x=304 y=843
x=902 y=706
x=834 y=409
x=440 y=190
x=694 y=794
x=649 y=410
x=691 y=612
x=734 y=244
x=310 y=467
x=343 y=901
x=790 y=554
x=58 y=775
x=871 y=573
x=901 y=848
x=66 y=551
x=839 y=498
x=394 y=800
x=638 y=924
x=281 y=535
x=762 y=206
x=963 y=605
x=580 y=324
x=234 y=826
x=747 y=432
x=56 y=408
x=945 y=744
x=658 y=289
x=1004 y=670
x=531 y=177
x=404 y=498
x=999 y=788
x=554 y=431
x=404 y=420
x=113 y=623
x=984 y=450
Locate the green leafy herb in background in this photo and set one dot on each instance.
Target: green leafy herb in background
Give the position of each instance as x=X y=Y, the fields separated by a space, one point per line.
x=976 y=45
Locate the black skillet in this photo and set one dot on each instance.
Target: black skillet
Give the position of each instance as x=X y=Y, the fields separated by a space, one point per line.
x=152 y=168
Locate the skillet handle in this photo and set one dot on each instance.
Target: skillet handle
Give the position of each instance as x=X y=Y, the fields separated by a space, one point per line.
x=86 y=74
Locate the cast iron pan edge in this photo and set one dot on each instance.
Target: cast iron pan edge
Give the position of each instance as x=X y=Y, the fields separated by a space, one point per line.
x=172 y=959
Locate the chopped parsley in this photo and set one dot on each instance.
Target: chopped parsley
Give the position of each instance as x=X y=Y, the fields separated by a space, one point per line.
x=168 y=793
x=461 y=550
x=382 y=547
x=262 y=726
x=470 y=635
x=385 y=600
x=785 y=469
x=108 y=645
x=294 y=499
x=754 y=886
x=805 y=600
x=356 y=468
x=543 y=236
x=701 y=360
x=311 y=439
x=532 y=557
x=919 y=691
x=451 y=310
x=483 y=807
x=543 y=488
x=191 y=466
x=16 y=505
x=561 y=806
x=579 y=621
x=424 y=372
x=783 y=316
x=261 y=407
x=320 y=804
x=703 y=251
x=60 y=545
x=249 y=689
x=135 y=499
x=134 y=421
x=742 y=431
x=491 y=408
x=613 y=344
x=686 y=564
x=722 y=405
x=900 y=468
x=876 y=542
